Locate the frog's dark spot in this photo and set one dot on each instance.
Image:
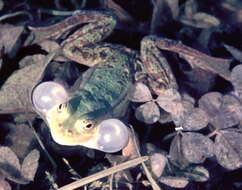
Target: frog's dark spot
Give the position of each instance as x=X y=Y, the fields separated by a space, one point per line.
x=107 y=66
x=85 y=54
x=94 y=89
x=69 y=132
x=109 y=98
x=123 y=65
x=102 y=54
x=126 y=73
x=75 y=49
x=99 y=77
x=60 y=125
x=121 y=82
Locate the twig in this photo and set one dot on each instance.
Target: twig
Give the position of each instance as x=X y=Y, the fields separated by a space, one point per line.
x=48 y=59
x=54 y=165
x=104 y=173
x=6 y=16
x=111 y=182
x=153 y=183
x=57 y=12
x=39 y=140
x=76 y=176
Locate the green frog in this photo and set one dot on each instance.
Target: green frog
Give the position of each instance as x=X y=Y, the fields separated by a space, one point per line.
x=103 y=92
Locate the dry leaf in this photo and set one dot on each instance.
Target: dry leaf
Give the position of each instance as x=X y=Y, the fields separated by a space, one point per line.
x=181 y=112
x=165 y=117
x=196 y=147
x=31 y=60
x=122 y=14
x=162 y=14
x=1 y=5
x=1 y=61
x=232 y=109
x=30 y=165
x=186 y=97
x=14 y=94
x=205 y=20
x=20 y=139
x=174 y=7
x=150 y=148
x=52 y=46
x=228 y=149
x=211 y=103
x=49 y=45
x=200 y=80
x=130 y=150
x=197 y=173
x=148 y=112
x=223 y=111
x=158 y=162
x=10 y=166
x=236 y=53
x=176 y=182
x=176 y=153
x=140 y=93
x=205 y=37
x=190 y=8
x=197 y=120
x=10 y=38
x=236 y=79
x=169 y=100
x=7 y=156
x=201 y=20
x=4 y=185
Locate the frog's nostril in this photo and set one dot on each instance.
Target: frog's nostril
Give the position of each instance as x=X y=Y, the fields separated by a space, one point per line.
x=69 y=132
x=88 y=126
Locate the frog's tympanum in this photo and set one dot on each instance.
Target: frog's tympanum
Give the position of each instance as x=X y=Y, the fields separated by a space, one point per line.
x=86 y=117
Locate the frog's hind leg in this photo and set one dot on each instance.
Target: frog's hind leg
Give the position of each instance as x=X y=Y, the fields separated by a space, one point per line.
x=160 y=76
x=98 y=26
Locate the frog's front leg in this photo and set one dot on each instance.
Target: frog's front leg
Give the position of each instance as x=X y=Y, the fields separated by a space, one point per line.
x=99 y=26
x=160 y=76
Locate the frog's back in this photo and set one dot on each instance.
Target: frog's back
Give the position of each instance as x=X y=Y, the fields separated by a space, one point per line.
x=109 y=81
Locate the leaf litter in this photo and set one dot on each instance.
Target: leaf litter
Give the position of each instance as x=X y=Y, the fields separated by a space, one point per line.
x=201 y=123
x=18 y=86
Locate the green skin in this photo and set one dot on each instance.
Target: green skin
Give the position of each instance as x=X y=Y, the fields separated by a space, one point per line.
x=104 y=89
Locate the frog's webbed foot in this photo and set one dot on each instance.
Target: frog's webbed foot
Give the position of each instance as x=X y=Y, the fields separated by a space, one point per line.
x=160 y=76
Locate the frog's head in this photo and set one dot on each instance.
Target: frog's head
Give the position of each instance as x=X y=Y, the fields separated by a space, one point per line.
x=78 y=122
x=72 y=123
x=81 y=120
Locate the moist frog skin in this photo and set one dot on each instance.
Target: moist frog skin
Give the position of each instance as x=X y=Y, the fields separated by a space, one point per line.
x=103 y=93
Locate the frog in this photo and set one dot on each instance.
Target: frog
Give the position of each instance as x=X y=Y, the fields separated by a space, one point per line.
x=103 y=92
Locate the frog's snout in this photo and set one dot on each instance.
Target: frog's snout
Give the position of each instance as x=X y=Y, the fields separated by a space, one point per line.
x=110 y=135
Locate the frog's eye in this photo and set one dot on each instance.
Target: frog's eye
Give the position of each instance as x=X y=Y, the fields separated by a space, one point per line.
x=61 y=107
x=112 y=135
